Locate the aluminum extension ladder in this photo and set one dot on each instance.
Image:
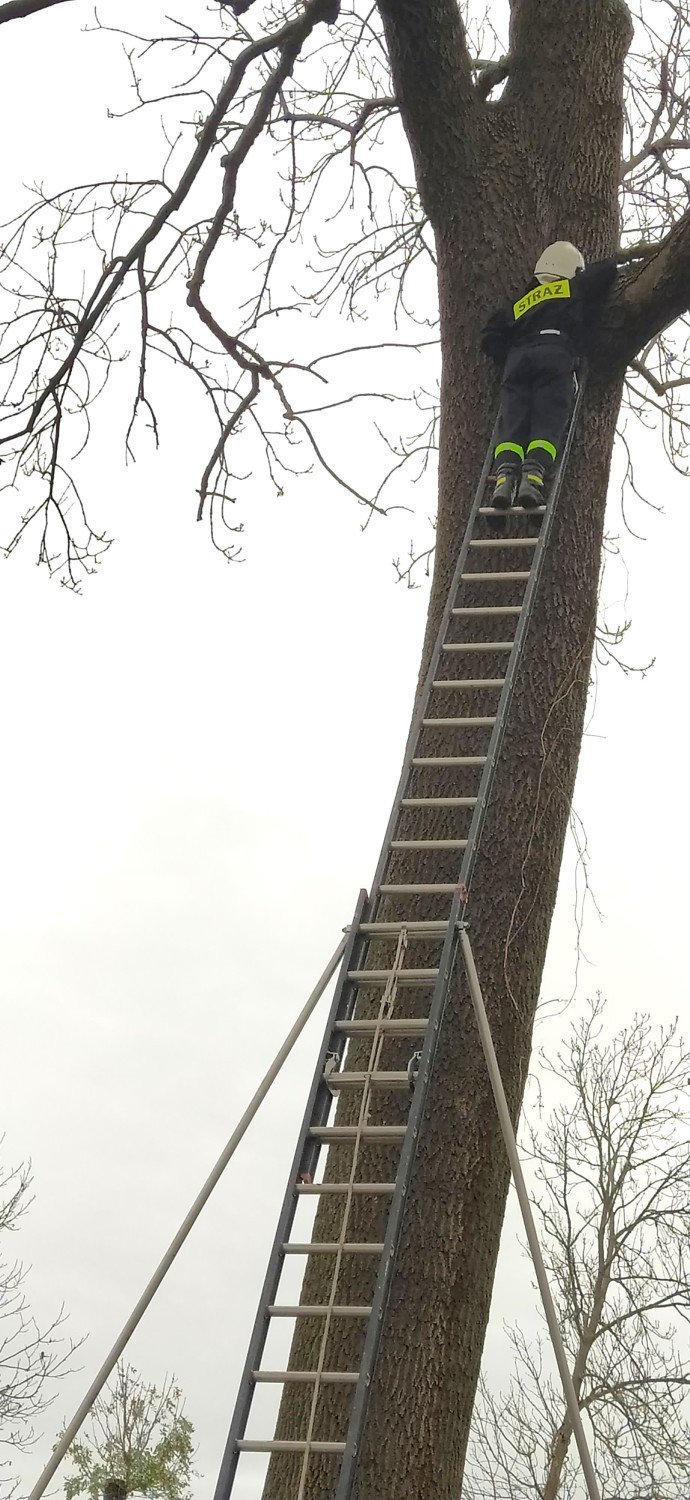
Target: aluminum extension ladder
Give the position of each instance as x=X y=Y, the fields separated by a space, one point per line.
x=344 y=1027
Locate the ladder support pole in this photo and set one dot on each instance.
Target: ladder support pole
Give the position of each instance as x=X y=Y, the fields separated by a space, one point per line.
x=304 y=1161
x=199 y=1203
x=527 y=1216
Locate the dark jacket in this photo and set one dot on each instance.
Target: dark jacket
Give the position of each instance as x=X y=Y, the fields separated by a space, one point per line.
x=571 y=307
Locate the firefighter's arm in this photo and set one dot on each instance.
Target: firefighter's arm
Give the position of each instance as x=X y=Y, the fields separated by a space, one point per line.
x=495 y=337
x=596 y=280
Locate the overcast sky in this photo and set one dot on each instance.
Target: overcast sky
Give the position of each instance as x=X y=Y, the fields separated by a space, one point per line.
x=197 y=763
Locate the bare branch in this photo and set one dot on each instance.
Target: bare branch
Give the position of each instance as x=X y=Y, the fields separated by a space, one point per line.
x=659 y=386
x=32 y=1359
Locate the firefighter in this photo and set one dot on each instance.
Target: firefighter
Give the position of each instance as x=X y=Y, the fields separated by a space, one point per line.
x=538 y=342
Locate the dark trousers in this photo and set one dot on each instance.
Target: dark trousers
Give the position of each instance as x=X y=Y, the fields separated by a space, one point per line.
x=537 y=393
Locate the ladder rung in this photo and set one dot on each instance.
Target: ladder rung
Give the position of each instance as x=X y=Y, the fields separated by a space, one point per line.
x=477 y=646
x=515 y=510
x=401 y=1026
x=449 y=760
x=415 y=929
x=319 y=1310
x=467 y=683
x=376 y=1080
x=365 y=1072
x=418 y=890
x=359 y=1189
x=428 y=844
x=506 y=541
x=487 y=609
x=379 y=1134
x=481 y=723
x=494 y=577
x=327 y=1249
x=436 y=802
x=286 y=1445
x=304 y=1377
x=403 y=976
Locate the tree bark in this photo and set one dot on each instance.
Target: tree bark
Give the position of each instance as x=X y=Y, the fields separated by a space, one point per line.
x=498 y=181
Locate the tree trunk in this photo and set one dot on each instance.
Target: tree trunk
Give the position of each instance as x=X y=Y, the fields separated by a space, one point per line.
x=543 y=164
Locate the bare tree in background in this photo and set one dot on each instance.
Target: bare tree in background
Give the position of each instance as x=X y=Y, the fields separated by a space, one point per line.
x=139 y=1442
x=613 y=1198
x=32 y=1359
x=407 y=153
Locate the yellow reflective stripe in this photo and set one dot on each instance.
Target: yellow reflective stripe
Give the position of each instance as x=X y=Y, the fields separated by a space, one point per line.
x=544 y=293
x=542 y=443
x=509 y=448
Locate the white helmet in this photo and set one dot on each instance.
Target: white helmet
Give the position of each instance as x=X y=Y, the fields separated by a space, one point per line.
x=559 y=261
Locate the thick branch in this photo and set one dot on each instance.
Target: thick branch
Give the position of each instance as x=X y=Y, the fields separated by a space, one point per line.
x=660 y=387
x=652 y=298
x=491 y=76
x=432 y=74
x=14 y=10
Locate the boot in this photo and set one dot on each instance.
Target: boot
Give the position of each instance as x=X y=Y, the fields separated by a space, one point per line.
x=532 y=491
x=503 y=494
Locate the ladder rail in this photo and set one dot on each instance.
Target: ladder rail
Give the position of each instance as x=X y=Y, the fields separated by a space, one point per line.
x=305 y=1158
x=424 y=696
x=386 y=1004
x=395 y=1217
x=515 y=658
x=341 y=1024
x=362 y=1393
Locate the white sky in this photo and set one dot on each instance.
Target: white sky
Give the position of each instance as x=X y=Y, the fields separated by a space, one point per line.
x=196 y=764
